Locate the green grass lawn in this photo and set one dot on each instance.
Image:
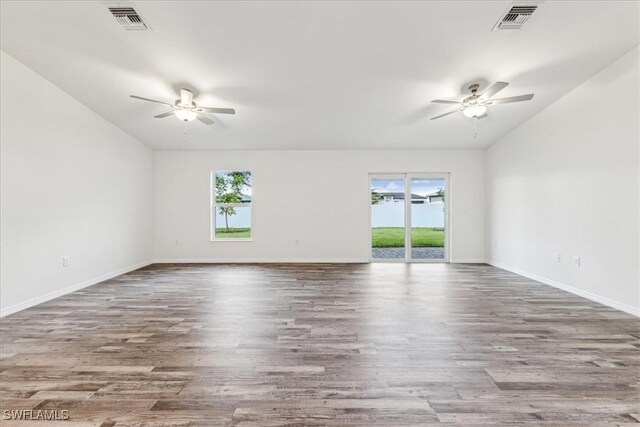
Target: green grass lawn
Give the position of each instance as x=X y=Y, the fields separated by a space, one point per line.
x=393 y=237
x=233 y=233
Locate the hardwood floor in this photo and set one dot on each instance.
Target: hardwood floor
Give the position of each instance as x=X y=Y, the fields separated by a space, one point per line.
x=379 y=344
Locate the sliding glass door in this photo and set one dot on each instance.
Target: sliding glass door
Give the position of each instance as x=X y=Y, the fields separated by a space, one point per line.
x=409 y=217
x=388 y=232
x=427 y=218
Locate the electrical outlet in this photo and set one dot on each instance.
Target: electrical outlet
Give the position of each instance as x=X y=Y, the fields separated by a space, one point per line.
x=576 y=261
x=66 y=262
x=557 y=257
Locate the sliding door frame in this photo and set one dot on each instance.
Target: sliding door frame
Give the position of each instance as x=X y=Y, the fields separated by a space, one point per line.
x=447 y=197
x=407 y=177
x=398 y=176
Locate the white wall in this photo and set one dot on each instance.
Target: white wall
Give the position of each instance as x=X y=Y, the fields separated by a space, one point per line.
x=320 y=198
x=567 y=182
x=72 y=184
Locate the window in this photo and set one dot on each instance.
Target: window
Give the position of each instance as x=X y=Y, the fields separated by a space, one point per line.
x=231 y=205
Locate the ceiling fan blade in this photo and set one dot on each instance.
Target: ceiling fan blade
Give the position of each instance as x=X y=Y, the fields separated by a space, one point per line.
x=497 y=87
x=204 y=119
x=216 y=110
x=150 y=100
x=186 y=97
x=444 y=101
x=445 y=114
x=163 y=115
x=518 y=98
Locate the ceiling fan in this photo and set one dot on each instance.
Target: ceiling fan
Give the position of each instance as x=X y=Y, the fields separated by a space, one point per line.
x=476 y=106
x=186 y=110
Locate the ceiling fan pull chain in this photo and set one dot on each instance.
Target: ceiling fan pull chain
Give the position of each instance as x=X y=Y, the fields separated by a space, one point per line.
x=475 y=128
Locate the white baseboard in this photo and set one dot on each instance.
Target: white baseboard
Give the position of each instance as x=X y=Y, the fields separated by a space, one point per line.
x=260 y=261
x=571 y=289
x=290 y=261
x=66 y=290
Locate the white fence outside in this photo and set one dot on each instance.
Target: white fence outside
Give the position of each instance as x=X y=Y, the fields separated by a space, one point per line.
x=241 y=219
x=384 y=214
x=391 y=214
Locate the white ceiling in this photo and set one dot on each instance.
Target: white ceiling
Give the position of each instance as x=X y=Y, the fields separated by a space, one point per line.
x=316 y=75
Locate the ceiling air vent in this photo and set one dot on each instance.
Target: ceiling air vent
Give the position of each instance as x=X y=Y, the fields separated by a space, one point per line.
x=128 y=18
x=517 y=15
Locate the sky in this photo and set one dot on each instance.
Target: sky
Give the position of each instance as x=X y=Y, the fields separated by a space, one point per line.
x=418 y=186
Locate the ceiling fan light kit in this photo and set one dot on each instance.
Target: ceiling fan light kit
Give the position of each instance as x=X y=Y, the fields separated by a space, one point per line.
x=475 y=111
x=185 y=114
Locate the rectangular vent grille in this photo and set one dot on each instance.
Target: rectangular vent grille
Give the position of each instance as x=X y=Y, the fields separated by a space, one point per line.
x=516 y=17
x=128 y=18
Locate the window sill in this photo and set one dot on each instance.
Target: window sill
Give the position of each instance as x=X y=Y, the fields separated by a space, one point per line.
x=231 y=240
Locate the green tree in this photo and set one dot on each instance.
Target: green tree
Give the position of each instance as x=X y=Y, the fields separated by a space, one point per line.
x=229 y=190
x=375 y=197
x=440 y=193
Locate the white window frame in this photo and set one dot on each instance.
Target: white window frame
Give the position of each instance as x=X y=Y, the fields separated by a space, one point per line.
x=213 y=206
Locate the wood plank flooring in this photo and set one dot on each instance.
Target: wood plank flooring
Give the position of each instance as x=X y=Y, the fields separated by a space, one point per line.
x=378 y=344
